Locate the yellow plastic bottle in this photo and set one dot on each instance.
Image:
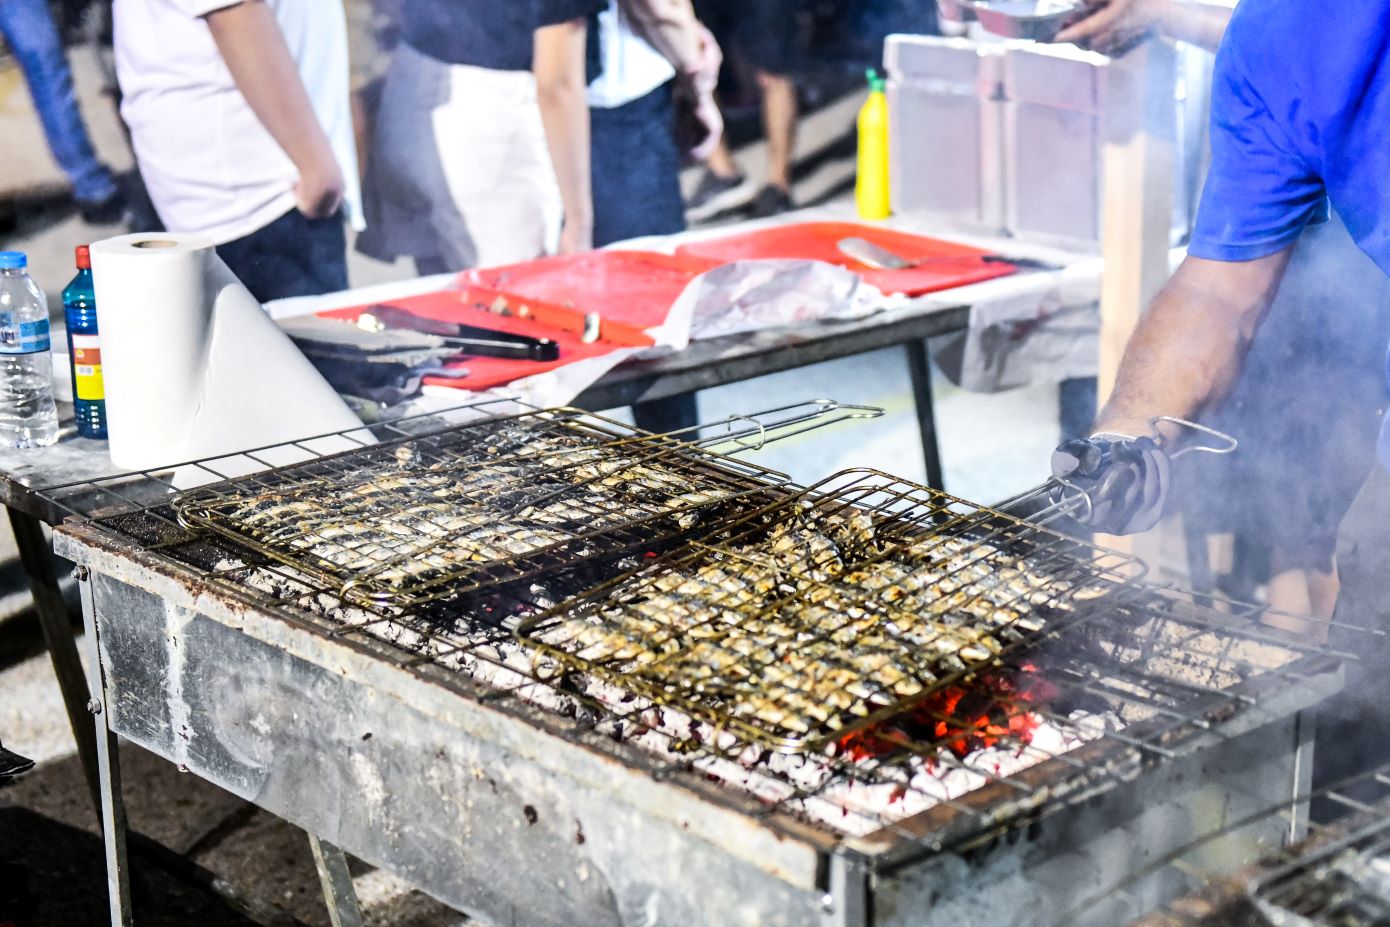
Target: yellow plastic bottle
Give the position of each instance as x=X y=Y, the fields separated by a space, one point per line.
x=871 y=191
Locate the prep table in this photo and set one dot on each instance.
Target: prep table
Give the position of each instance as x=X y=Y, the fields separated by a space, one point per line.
x=1033 y=326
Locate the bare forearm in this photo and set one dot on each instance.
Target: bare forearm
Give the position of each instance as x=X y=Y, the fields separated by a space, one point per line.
x=1201 y=24
x=564 y=105
x=672 y=29
x=1175 y=362
x=254 y=50
x=1190 y=344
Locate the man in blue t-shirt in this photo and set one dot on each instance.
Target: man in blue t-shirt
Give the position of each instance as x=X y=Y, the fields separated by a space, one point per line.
x=1300 y=117
x=1300 y=120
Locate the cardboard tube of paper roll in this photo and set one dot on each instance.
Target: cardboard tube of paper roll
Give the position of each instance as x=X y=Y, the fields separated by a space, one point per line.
x=193 y=366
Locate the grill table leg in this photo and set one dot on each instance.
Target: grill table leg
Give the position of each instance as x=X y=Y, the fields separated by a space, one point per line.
x=1304 y=731
x=919 y=368
x=338 y=892
x=846 y=903
x=36 y=557
x=113 y=821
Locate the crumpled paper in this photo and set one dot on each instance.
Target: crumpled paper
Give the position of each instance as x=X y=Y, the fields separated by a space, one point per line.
x=755 y=295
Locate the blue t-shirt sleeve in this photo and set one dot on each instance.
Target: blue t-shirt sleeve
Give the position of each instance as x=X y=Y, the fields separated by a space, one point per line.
x=1261 y=192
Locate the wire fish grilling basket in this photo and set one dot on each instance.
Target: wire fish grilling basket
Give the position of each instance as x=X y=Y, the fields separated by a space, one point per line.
x=1345 y=884
x=830 y=610
x=420 y=519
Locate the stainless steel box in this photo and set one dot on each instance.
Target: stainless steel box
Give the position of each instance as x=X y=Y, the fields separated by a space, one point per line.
x=945 y=125
x=1006 y=137
x=1053 y=118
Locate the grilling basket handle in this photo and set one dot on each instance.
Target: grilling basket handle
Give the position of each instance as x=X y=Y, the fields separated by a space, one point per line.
x=1058 y=497
x=756 y=430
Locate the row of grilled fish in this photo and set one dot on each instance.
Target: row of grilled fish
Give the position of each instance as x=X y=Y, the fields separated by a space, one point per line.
x=407 y=525
x=819 y=622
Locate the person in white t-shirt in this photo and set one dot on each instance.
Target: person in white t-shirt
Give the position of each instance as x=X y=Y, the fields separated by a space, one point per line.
x=240 y=118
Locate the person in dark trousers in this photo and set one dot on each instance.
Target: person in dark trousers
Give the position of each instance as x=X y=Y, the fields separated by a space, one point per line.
x=765 y=33
x=1295 y=130
x=32 y=36
x=649 y=52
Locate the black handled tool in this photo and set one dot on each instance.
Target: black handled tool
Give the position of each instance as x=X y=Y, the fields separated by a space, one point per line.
x=466 y=339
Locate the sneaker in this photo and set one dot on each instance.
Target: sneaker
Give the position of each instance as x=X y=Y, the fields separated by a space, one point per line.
x=12 y=764
x=716 y=194
x=770 y=201
x=109 y=211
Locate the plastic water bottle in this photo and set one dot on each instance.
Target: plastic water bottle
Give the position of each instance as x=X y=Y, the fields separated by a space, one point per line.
x=84 y=347
x=28 y=417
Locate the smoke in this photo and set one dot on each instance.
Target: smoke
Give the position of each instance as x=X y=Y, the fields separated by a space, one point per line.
x=1307 y=411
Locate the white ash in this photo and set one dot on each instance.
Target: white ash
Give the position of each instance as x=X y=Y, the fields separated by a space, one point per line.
x=852 y=798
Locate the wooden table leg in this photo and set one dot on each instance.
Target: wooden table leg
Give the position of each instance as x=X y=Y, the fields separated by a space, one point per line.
x=36 y=557
x=338 y=892
x=919 y=367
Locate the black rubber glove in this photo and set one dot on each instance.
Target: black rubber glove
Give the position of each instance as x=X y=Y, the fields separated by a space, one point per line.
x=1126 y=480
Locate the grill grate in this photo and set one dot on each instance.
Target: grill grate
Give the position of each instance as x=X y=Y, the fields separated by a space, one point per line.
x=412 y=521
x=1337 y=875
x=1346 y=884
x=830 y=610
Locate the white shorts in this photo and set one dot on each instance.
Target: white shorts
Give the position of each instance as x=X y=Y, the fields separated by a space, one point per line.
x=459 y=171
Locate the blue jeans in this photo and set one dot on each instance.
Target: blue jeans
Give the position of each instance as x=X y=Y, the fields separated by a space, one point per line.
x=292 y=256
x=29 y=30
x=636 y=169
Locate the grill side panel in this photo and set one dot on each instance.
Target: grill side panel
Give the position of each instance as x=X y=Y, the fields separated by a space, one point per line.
x=480 y=826
x=1062 y=871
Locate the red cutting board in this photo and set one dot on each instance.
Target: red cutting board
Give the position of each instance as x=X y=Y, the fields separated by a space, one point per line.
x=635 y=287
x=475 y=305
x=817 y=241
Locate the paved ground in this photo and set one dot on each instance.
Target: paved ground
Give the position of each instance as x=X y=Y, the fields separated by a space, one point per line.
x=993 y=446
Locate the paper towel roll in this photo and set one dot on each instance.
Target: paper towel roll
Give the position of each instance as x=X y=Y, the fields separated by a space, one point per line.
x=193 y=366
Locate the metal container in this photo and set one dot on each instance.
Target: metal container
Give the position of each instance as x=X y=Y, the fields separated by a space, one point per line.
x=1053 y=132
x=1006 y=137
x=945 y=128
x=1038 y=20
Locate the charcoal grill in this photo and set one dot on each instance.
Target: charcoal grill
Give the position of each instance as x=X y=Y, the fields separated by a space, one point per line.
x=437 y=731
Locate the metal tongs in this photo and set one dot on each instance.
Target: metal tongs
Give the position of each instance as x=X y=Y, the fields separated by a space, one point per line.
x=1075 y=501
x=466 y=339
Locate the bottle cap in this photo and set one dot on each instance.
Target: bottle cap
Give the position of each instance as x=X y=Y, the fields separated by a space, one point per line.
x=13 y=260
x=84 y=257
x=876 y=82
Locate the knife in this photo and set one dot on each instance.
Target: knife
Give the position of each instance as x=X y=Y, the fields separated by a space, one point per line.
x=467 y=339
x=878 y=257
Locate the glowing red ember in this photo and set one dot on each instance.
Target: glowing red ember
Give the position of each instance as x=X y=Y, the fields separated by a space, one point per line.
x=974 y=714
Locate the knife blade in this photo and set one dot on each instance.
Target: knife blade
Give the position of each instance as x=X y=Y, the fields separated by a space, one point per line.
x=877 y=257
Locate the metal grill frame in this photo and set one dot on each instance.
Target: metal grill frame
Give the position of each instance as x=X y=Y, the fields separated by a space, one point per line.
x=904 y=514
x=212 y=508
x=1002 y=803
x=1292 y=873
x=1300 y=888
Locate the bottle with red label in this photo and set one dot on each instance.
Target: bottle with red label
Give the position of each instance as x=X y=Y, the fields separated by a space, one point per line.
x=84 y=346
